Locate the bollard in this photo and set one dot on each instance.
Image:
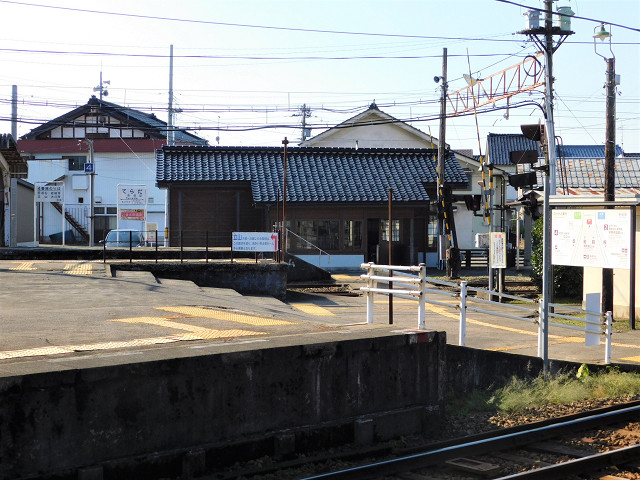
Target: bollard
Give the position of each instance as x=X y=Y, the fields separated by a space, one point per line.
x=607 y=333
x=462 y=333
x=423 y=297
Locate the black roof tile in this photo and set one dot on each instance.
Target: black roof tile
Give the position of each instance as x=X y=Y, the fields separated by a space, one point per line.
x=313 y=173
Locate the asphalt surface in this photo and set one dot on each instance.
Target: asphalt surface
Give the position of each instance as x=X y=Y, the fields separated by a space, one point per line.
x=64 y=314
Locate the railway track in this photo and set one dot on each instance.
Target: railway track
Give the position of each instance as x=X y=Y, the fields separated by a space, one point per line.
x=587 y=443
x=557 y=448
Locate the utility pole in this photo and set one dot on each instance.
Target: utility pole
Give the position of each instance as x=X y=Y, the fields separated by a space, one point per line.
x=546 y=43
x=14 y=112
x=610 y=174
x=441 y=161
x=304 y=112
x=285 y=142
x=171 y=135
x=92 y=240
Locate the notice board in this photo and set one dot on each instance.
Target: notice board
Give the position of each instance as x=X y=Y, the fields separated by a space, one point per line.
x=591 y=238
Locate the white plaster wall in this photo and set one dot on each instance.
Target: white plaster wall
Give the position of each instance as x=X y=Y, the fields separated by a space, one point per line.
x=111 y=169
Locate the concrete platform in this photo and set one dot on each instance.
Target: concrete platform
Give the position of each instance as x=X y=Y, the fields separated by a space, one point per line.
x=59 y=314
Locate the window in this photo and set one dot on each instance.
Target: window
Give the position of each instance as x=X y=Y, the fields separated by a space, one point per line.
x=322 y=234
x=328 y=234
x=432 y=232
x=76 y=162
x=352 y=234
x=384 y=228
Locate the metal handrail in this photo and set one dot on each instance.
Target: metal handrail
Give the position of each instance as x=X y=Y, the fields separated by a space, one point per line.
x=320 y=251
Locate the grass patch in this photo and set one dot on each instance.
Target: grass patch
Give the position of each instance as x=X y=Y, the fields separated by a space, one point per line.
x=520 y=395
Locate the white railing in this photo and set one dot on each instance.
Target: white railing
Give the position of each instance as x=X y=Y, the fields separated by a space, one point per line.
x=414 y=284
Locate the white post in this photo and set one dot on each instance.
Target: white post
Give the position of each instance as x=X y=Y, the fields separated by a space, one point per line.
x=462 y=334
x=422 y=299
x=35 y=216
x=540 y=329
x=607 y=345
x=63 y=218
x=370 y=284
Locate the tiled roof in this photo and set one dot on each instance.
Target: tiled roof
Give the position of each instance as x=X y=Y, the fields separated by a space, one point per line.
x=147 y=122
x=313 y=174
x=500 y=145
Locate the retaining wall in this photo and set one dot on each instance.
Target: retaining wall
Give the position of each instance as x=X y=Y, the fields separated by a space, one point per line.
x=189 y=416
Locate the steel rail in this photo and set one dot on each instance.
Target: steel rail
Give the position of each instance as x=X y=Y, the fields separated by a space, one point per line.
x=595 y=462
x=501 y=441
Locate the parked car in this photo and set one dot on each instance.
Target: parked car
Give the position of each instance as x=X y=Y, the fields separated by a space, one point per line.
x=122 y=237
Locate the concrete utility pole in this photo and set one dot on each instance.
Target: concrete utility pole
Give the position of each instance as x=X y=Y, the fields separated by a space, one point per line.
x=171 y=135
x=14 y=112
x=546 y=43
x=92 y=218
x=285 y=142
x=441 y=160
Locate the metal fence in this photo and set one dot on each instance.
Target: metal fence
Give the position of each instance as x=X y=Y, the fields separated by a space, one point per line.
x=412 y=283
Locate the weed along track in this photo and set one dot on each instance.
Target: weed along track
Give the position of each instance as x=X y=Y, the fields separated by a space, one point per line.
x=592 y=444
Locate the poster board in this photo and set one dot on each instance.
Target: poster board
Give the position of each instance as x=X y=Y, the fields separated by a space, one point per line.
x=591 y=238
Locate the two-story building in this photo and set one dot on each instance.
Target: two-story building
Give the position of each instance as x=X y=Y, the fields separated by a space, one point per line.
x=121 y=143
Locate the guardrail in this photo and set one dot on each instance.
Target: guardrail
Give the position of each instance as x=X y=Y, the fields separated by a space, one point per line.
x=415 y=285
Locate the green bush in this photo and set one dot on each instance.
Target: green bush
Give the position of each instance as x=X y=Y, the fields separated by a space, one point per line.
x=567 y=281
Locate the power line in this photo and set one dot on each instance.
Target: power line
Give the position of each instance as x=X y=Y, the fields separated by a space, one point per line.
x=572 y=16
x=244 y=25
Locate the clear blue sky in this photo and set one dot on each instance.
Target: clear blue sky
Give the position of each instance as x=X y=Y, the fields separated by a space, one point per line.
x=231 y=71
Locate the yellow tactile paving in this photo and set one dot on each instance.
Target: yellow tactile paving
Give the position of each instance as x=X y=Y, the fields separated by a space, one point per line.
x=346 y=278
x=312 y=309
x=78 y=269
x=42 y=351
x=23 y=266
x=224 y=315
x=195 y=332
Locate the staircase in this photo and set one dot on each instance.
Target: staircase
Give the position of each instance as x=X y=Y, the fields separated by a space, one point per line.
x=72 y=221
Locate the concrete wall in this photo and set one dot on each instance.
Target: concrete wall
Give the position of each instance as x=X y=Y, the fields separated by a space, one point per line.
x=245 y=278
x=137 y=420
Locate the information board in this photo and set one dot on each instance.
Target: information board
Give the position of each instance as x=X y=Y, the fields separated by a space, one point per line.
x=49 y=193
x=591 y=238
x=498 y=250
x=254 y=242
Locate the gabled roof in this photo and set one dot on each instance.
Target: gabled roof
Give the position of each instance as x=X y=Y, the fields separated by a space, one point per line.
x=18 y=167
x=313 y=174
x=499 y=145
x=370 y=117
x=146 y=122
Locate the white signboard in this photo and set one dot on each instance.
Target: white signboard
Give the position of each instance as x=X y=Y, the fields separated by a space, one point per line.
x=591 y=238
x=49 y=193
x=132 y=195
x=254 y=242
x=498 y=250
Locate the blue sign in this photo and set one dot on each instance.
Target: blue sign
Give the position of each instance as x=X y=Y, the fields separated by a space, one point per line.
x=88 y=168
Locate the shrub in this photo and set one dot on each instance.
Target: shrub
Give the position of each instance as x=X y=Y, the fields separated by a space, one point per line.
x=567 y=280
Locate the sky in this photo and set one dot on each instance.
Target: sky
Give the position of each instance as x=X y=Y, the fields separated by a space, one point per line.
x=244 y=68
